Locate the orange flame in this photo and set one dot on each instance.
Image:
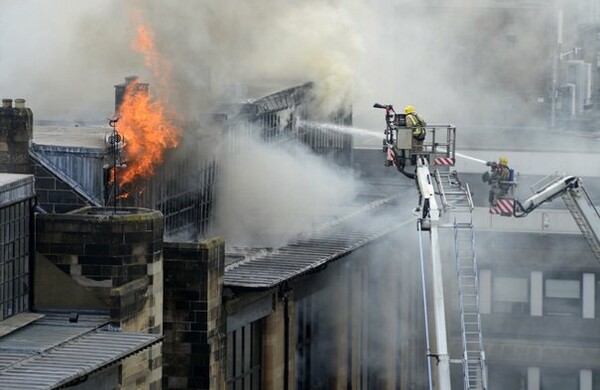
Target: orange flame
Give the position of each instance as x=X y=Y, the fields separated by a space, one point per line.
x=147 y=132
x=144 y=43
x=146 y=124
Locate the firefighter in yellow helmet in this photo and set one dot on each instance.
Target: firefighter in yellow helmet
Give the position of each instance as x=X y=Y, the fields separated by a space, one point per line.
x=499 y=178
x=417 y=124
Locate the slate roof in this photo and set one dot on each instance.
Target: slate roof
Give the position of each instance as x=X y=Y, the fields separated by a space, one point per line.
x=52 y=352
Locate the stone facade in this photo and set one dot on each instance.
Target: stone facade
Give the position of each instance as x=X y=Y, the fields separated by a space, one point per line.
x=16 y=132
x=195 y=322
x=358 y=323
x=96 y=259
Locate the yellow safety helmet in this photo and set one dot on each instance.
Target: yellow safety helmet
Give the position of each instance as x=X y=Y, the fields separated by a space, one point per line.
x=503 y=161
x=409 y=109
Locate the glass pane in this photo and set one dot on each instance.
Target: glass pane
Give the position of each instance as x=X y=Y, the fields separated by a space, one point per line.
x=230 y=355
x=559 y=380
x=510 y=289
x=558 y=288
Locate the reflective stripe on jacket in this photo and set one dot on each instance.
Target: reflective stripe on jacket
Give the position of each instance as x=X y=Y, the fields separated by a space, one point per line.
x=417 y=123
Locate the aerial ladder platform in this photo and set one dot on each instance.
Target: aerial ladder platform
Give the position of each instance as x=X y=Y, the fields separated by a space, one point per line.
x=456 y=198
x=585 y=215
x=438 y=150
x=576 y=198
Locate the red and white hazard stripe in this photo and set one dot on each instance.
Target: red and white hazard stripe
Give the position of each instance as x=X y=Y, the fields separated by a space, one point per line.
x=391 y=156
x=444 y=161
x=504 y=207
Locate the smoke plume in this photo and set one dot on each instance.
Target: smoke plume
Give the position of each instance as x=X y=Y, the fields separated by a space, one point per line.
x=217 y=50
x=271 y=193
x=459 y=62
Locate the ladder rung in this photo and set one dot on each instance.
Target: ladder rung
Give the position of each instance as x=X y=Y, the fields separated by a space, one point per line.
x=468 y=286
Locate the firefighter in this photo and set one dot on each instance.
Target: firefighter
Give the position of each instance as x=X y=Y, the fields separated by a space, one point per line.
x=498 y=178
x=417 y=124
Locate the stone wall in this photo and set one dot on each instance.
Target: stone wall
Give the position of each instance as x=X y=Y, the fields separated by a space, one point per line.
x=16 y=128
x=16 y=131
x=195 y=322
x=93 y=258
x=142 y=371
x=274 y=348
x=54 y=195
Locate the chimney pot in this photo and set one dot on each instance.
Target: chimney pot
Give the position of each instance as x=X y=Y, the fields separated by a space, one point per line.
x=130 y=79
x=19 y=103
x=6 y=103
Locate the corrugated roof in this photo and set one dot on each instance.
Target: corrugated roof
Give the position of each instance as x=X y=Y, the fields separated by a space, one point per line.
x=53 y=352
x=328 y=243
x=79 y=167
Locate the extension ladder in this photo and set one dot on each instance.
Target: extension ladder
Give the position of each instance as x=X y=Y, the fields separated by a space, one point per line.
x=474 y=365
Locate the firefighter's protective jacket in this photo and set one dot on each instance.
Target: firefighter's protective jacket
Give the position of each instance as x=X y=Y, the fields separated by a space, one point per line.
x=417 y=124
x=500 y=173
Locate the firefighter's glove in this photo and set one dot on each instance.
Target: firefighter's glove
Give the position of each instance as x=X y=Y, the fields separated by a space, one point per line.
x=486 y=178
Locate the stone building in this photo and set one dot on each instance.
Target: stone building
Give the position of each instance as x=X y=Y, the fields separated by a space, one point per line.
x=49 y=320
x=88 y=259
x=337 y=307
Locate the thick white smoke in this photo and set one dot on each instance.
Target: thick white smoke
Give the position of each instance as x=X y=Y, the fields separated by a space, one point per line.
x=64 y=56
x=273 y=193
x=460 y=62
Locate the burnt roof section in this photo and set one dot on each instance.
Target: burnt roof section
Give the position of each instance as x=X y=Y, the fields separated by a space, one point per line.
x=328 y=243
x=284 y=99
x=52 y=352
x=274 y=102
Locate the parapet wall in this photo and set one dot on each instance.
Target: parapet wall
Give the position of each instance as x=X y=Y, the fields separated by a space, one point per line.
x=195 y=322
x=112 y=257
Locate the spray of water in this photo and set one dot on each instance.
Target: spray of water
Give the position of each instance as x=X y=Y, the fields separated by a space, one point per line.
x=340 y=128
x=471 y=158
x=363 y=132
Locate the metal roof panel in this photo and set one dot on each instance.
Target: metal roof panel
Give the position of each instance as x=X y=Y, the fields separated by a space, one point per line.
x=53 y=352
x=300 y=256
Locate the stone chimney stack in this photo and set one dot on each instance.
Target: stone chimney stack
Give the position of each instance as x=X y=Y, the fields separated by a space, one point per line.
x=16 y=130
x=121 y=88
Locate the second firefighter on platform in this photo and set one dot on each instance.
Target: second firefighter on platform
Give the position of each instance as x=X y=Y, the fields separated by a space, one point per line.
x=499 y=177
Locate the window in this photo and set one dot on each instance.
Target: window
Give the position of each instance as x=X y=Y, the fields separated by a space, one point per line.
x=303 y=343
x=244 y=350
x=312 y=350
x=557 y=378
x=562 y=297
x=510 y=295
x=14 y=261
x=507 y=377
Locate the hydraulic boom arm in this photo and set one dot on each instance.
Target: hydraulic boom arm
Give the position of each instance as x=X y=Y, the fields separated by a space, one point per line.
x=548 y=193
x=578 y=202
